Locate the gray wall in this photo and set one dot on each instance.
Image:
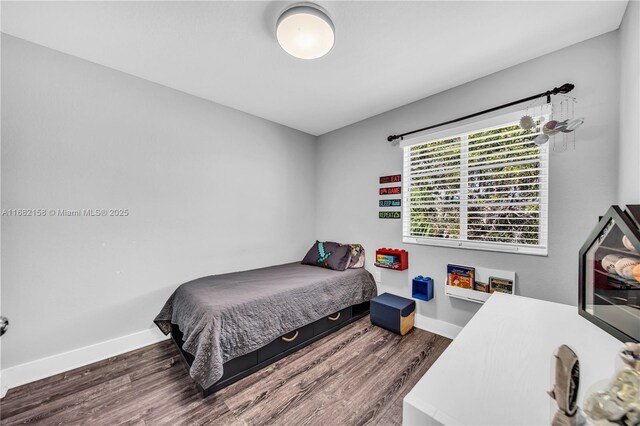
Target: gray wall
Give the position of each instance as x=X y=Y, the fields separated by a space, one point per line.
x=582 y=181
x=629 y=170
x=209 y=190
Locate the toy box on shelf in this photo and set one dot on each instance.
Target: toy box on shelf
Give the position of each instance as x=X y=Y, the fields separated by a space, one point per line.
x=395 y=259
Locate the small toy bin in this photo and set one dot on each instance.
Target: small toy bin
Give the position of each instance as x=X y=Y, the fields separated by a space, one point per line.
x=389 y=258
x=422 y=288
x=393 y=313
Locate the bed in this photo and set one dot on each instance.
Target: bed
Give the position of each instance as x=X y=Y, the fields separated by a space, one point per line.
x=229 y=326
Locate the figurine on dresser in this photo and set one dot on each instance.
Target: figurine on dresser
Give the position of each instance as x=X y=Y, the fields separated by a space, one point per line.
x=565 y=387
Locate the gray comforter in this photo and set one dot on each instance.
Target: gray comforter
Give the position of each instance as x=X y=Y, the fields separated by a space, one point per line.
x=226 y=316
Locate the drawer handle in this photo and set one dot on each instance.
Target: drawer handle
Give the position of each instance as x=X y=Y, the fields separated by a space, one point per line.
x=334 y=318
x=291 y=339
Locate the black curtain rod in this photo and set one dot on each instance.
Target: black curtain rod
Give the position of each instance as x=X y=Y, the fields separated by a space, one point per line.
x=565 y=88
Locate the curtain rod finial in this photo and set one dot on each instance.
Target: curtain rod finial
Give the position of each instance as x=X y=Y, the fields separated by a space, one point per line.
x=392 y=138
x=565 y=88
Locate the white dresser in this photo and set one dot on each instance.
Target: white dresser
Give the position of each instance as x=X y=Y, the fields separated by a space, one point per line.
x=498 y=369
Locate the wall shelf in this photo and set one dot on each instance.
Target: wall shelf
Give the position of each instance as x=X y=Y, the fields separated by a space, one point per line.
x=401 y=256
x=467 y=294
x=482 y=275
x=422 y=288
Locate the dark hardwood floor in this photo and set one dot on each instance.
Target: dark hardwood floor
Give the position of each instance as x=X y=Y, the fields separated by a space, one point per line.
x=355 y=376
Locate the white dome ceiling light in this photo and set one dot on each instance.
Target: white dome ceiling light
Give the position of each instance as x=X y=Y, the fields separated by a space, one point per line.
x=305 y=31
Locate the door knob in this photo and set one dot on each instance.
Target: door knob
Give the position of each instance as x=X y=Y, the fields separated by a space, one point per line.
x=4 y=324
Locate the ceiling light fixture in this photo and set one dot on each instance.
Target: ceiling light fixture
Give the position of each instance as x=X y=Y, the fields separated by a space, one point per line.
x=305 y=31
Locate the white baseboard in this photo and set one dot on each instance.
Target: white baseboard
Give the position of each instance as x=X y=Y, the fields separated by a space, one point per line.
x=435 y=326
x=55 y=364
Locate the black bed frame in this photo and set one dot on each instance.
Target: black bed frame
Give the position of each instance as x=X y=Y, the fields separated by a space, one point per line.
x=245 y=365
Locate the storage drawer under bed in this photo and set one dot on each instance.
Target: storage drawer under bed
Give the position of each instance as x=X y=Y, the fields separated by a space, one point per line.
x=286 y=342
x=331 y=321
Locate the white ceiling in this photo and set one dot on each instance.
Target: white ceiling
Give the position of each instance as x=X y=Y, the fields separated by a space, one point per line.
x=387 y=53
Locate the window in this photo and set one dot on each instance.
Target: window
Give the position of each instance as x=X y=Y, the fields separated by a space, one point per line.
x=480 y=186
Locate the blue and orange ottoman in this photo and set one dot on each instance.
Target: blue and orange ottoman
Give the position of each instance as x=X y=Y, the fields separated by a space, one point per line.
x=393 y=313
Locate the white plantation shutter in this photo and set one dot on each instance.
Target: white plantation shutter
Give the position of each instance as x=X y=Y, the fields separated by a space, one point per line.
x=482 y=189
